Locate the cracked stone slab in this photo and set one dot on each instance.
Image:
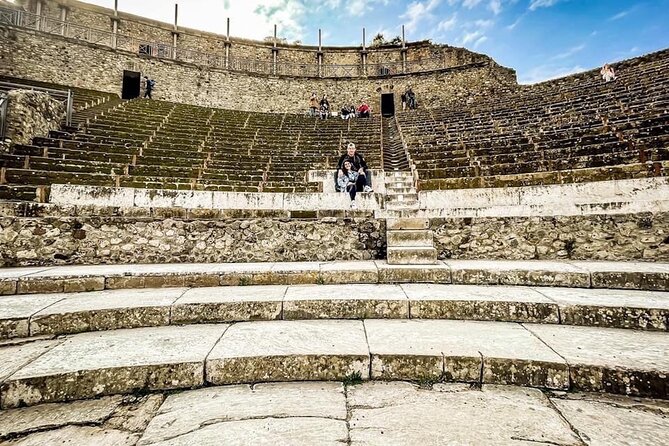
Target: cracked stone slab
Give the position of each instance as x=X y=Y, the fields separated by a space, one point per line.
x=135 y=413
x=518 y=272
x=289 y=351
x=349 y=272
x=228 y=304
x=358 y=301
x=49 y=416
x=468 y=351
x=303 y=431
x=401 y=414
x=631 y=275
x=473 y=302
x=187 y=412
x=106 y=310
x=88 y=365
x=611 y=360
x=437 y=273
x=14 y=357
x=605 y=424
x=79 y=436
x=16 y=311
x=646 y=310
x=288 y=273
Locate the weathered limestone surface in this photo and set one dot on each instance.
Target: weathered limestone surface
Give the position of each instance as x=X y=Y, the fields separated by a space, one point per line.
x=79 y=436
x=611 y=360
x=227 y=304
x=611 y=308
x=15 y=357
x=640 y=236
x=510 y=272
x=93 y=364
x=104 y=310
x=189 y=412
x=360 y=301
x=434 y=301
x=289 y=350
x=104 y=240
x=469 y=351
x=402 y=414
x=30 y=114
x=632 y=275
x=15 y=313
x=437 y=273
x=50 y=416
x=604 y=423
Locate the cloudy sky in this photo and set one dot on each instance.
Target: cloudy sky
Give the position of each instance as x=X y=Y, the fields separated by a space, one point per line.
x=541 y=39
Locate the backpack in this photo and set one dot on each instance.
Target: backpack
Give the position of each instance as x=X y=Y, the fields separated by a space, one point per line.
x=151 y=83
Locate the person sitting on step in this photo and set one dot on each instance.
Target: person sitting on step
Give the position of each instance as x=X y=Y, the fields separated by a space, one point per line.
x=350 y=181
x=358 y=163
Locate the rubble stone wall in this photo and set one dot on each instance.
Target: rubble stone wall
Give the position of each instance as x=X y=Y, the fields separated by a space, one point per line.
x=643 y=237
x=30 y=114
x=111 y=240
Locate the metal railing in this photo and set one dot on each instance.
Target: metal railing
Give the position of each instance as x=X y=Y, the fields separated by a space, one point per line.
x=3 y=116
x=66 y=96
x=24 y=19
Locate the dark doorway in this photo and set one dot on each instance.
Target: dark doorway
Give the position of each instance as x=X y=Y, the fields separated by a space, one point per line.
x=131 y=84
x=387 y=105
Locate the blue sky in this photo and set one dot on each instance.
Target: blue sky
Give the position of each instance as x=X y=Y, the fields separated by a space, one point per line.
x=541 y=39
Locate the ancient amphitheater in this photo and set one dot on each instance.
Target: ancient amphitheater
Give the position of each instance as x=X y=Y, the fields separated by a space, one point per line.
x=181 y=271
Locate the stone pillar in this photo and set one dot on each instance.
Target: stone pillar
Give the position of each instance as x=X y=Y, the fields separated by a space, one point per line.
x=275 y=53
x=175 y=33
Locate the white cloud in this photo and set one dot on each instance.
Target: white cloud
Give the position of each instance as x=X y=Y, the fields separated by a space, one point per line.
x=495 y=6
x=469 y=4
x=512 y=26
x=471 y=37
x=447 y=24
x=480 y=41
x=536 y=4
x=548 y=72
x=620 y=15
x=570 y=52
x=418 y=12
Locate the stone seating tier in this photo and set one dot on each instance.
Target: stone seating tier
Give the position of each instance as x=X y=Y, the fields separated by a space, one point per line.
x=551 y=325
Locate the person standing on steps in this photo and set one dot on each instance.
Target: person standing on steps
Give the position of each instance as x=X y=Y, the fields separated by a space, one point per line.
x=149 y=85
x=313 y=104
x=358 y=164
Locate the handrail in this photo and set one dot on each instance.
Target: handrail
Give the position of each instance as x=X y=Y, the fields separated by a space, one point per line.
x=66 y=96
x=3 y=116
x=164 y=50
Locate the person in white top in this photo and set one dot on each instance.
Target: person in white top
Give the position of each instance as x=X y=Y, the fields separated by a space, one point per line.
x=607 y=72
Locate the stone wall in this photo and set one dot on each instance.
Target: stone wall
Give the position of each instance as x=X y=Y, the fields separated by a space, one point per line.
x=30 y=114
x=99 y=240
x=43 y=57
x=594 y=237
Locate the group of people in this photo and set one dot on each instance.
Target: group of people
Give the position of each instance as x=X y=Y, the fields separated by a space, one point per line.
x=322 y=108
x=352 y=174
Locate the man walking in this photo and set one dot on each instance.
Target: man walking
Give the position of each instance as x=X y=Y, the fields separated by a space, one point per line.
x=150 y=83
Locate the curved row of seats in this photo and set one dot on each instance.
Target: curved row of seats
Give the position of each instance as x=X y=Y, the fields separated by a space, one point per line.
x=579 y=128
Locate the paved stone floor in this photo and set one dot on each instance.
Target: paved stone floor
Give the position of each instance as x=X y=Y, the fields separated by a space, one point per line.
x=328 y=413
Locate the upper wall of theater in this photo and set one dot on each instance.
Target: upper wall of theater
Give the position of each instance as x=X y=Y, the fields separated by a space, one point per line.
x=41 y=54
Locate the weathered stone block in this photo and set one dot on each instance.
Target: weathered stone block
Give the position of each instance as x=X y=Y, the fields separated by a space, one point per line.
x=550 y=375
x=406 y=366
x=438 y=273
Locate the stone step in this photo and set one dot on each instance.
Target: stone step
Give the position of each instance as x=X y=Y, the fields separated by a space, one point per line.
x=404 y=197
x=401 y=205
x=407 y=223
x=91 y=365
x=319 y=413
x=58 y=314
x=416 y=238
x=581 y=274
x=411 y=255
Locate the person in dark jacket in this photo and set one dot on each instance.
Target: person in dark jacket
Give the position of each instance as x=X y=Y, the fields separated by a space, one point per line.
x=150 y=83
x=358 y=163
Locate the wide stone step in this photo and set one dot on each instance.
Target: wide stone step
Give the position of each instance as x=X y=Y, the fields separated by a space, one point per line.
x=411 y=255
x=68 y=313
x=90 y=365
x=580 y=274
x=410 y=238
